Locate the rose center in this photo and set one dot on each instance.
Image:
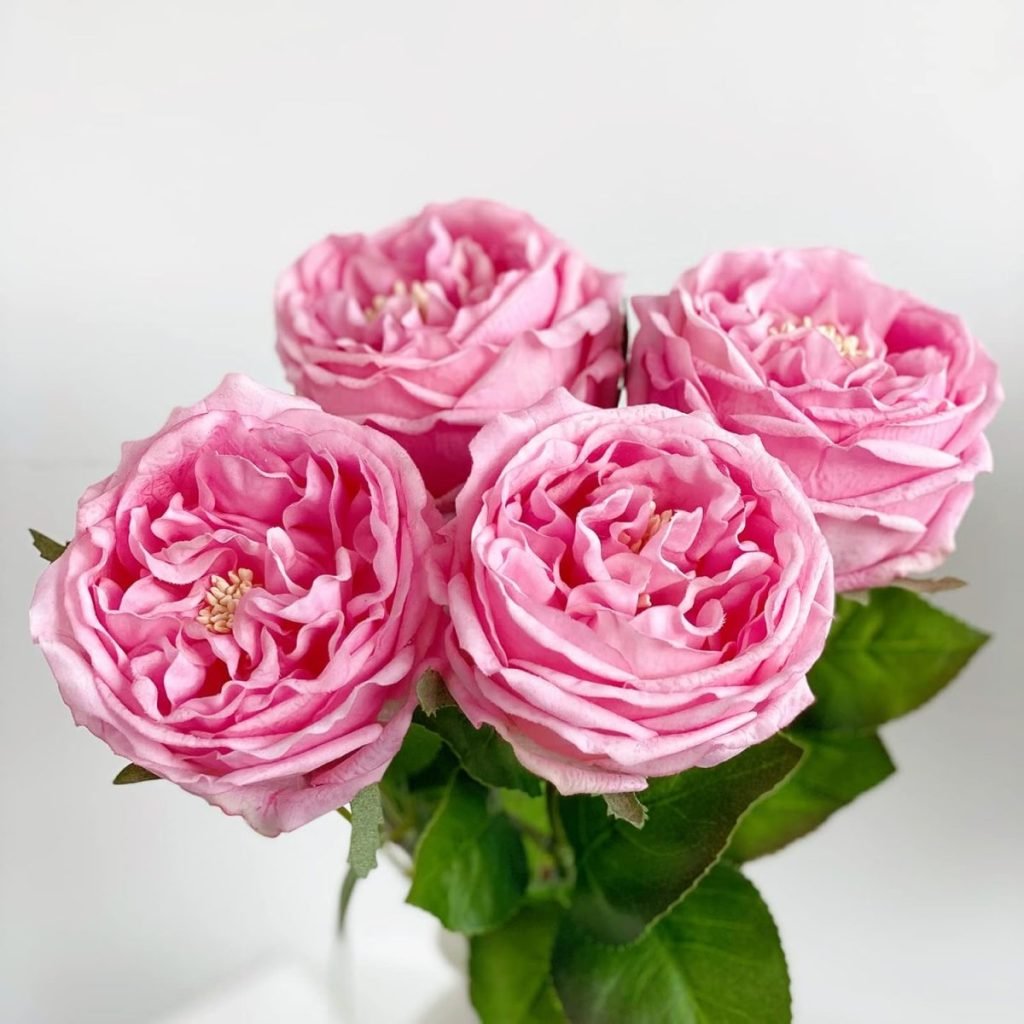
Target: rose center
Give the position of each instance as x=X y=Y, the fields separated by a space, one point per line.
x=655 y=521
x=847 y=345
x=218 y=614
x=416 y=292
x=636 y=542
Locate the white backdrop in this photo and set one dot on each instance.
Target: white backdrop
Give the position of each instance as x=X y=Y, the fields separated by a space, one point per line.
x=161 y=162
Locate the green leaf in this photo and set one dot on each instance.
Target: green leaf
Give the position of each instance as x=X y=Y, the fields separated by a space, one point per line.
x=484 y=754
x=530 y=810
x=884 y=659
x=132 y=773
x=834 y=771
x=510 y=970
x=418 y=749
x=626 y=878
x=414 y=783
x=626 y=807
x=49 y=548
x=529 y=814
x=716 y=959
x=470 y=866
x=367 y=822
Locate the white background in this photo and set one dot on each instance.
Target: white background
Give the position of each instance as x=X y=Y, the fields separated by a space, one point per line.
x=161 y=162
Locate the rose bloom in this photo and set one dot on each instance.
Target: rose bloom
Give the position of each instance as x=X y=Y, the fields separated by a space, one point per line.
x=242 y=608
x=633 y=592
x=876 y=401
x=429 y=328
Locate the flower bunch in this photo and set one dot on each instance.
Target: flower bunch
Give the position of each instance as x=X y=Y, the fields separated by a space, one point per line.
x=580 y=661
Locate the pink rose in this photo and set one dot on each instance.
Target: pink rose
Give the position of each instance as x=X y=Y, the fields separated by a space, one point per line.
x=243 y=610
x=633 y=592
x=876 y=401
x=429 y=328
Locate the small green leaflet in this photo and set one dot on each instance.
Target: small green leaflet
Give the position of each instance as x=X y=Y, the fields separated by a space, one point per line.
x=626 y=807
x=47 y=547
x=132 y=773
x=367 y=825
x=432 y=693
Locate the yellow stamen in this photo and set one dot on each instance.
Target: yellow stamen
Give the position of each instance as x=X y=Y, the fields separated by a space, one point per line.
x=218 y=615
x=420 y=297
x=847 y=345
x=655 y=521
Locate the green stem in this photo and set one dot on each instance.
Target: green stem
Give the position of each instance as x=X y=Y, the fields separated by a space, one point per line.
x=348 y=886
x=560 y=841
x=542 y=839
x=400 y=830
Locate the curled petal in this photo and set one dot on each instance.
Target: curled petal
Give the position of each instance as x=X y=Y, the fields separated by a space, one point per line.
x=875 y=400
x=245 y=606
x=428 y=328
x=633 y=592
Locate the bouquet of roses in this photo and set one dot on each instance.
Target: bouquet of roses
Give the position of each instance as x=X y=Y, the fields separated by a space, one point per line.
x=579 y=659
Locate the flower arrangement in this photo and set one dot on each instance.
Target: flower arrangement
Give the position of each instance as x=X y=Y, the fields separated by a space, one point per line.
x=580 y=660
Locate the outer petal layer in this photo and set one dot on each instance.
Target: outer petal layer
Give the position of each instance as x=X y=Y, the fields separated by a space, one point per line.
x=633 y=592
x=876 y=401
x=244 y=608
x=428 y=328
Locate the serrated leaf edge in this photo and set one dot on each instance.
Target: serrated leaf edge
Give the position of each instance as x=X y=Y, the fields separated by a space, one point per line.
x=719 y=859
